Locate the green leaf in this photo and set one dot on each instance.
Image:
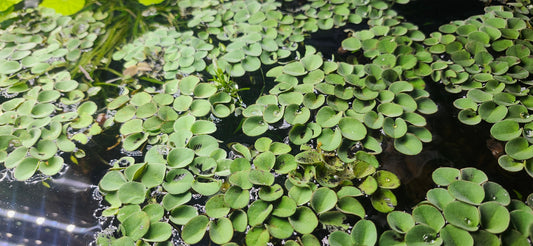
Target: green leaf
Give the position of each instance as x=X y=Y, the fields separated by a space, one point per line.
x=203 y=127
x=312 y=62
x=200 y=107
x=180 y=157
x=285 y=207
x=422 y=235
x=279 y=148
x=295 y=115
x=254 y=126
x=469 y=117
x=294 y=69
x=171 y=201
x=257 y=236
x=495 y=192
x=265 y=161
x=522 y=219
x=400 y=222
x=220 y=230
x=9 y=67
x=494 y=217
x=279 y=227
x=340 y=238
x=44 y=150
x=373 y=120
x=155 y=211
x=258 y=211
x=519 y=149
x=203 y=145
x=467 y=191
x=392 y=238
x=134 y=141
x=301 y=134
x=328 y=117
x=452 y=235
x=349 y=191
x=112 y=181
x=462 y=215
x=383 y=200
x=480 y=37
x=428 y=215
x=304 y=220
x=351 y=44
x=485 y=238
x=352 y=128
x=409 y=144
x=216 y=207
x=182 y=214
x=387 y=180
x=132 y=192
x=239 y=220
x=206 y=187
x=270 y=193
x=364 y=233
x=195 y=229
x=502 y=44
x=394 y=128
x=136 y=225
x=491 y=112
x=26 y=168
x=350 y=205
x=251 y=63
x=237 y=197
x=330 y=139
x=333 y=218
x=323 y=199
x=439 y=197
x=390 y=109
x=158 y=232
x=444 y=176
x=261 y=177
x=233 y=56
x=473 y=175
x=51 y=166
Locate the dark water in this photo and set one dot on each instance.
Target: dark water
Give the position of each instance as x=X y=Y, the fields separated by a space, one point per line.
x=428 y=15
x=63 y=214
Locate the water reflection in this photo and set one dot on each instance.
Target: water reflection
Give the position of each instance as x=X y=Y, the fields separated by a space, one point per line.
x=33 y=214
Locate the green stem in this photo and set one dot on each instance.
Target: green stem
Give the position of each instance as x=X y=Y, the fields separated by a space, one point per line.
x=152 y=80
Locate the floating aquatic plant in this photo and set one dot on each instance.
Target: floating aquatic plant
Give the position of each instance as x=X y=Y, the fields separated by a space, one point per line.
x=378 y=97
x=176 y=82
x=486 y=58
x=466 y=209
x=46 y=111
x=241 y=195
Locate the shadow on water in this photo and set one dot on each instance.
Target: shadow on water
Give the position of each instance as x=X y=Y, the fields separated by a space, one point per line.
x=428 y=15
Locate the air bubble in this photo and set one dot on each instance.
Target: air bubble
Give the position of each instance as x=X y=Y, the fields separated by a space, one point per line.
x=528 y=133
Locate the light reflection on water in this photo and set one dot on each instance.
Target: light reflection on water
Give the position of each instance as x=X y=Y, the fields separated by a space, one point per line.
x=32 y=214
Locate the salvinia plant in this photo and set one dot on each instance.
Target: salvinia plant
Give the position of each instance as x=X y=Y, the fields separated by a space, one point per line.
x=176 y=82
